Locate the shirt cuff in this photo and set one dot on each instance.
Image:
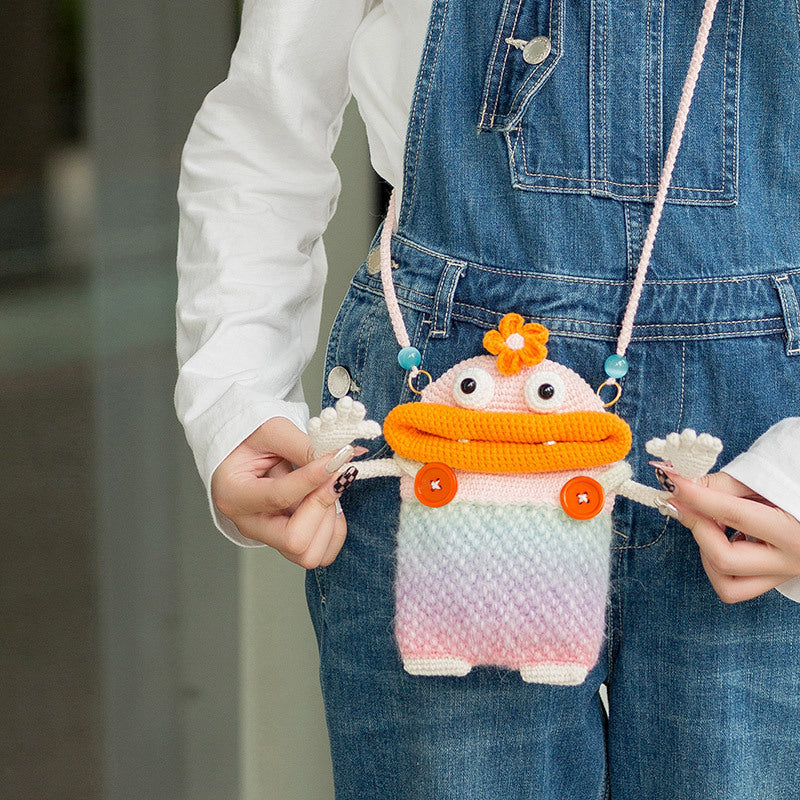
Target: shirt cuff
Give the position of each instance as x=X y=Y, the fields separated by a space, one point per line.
x=771 y=467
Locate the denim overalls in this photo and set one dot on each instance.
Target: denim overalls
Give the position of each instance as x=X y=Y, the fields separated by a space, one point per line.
x=528 y=188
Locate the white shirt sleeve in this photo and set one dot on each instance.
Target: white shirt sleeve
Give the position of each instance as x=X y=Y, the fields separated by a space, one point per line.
x=257 y=190
x=771 y=467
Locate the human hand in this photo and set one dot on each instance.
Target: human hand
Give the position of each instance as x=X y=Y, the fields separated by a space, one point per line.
x=738 y=568
x=293 y=510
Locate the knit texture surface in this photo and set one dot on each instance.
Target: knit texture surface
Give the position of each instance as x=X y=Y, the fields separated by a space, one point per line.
x=492 y=584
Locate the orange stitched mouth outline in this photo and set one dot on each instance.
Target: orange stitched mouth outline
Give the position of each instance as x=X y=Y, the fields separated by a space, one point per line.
x=504 y=441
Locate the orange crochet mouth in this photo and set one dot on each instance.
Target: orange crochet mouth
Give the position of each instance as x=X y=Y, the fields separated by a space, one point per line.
x=501 y=441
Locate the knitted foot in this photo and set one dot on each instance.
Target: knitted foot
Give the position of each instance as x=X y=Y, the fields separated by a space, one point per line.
x=335 y=427
x=436 y=666
x=557 y=674
x=690 y=454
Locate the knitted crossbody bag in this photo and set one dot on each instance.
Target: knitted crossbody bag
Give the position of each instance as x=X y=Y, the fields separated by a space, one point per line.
x=509 y=466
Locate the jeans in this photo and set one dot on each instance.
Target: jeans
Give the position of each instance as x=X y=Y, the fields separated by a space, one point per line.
x=529 y=190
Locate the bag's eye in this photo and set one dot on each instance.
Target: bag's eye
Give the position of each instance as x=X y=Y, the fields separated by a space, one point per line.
x=473 y=388
x=545 y=391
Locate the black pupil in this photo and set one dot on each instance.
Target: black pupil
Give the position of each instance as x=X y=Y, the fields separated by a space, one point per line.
x=468 y=385
x=546 y=391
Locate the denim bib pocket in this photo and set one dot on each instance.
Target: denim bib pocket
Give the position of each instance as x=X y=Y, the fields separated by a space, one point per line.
x=595 y=117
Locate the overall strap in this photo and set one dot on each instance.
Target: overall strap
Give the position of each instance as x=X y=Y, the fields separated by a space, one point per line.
x=616 y=366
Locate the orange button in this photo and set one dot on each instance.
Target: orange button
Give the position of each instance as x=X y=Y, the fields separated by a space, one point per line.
x=582 y=497
x=435 y=485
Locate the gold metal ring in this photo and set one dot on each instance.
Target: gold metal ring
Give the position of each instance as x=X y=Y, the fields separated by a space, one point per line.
x=411 y=377
x=610 y=382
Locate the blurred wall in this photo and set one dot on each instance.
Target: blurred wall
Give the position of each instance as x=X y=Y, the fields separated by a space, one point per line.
x=144 y=657
x=168 y=585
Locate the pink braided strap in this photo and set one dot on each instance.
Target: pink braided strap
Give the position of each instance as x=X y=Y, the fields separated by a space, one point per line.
x=395 y=315
x=666 y=175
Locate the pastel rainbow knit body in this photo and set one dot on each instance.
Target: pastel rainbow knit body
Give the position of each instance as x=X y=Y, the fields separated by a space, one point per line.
x=482 y=582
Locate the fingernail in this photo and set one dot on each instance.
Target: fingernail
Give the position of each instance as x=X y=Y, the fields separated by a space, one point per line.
x=339 y=509
x=340 y=457
x=667 y=509
x=664 y=479
x=667 y=466
x=345 y=480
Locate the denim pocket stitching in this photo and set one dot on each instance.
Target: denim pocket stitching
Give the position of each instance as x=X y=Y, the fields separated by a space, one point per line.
x=537 y=75
x=493 y=61
x=319 y=575
x=600 y=181
x=678 y=424
x=362 y=347
x=469 y=312
x=525 y=87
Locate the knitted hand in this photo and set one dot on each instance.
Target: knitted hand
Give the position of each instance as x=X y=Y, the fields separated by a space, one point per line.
x=691 y=455
x=338 y=426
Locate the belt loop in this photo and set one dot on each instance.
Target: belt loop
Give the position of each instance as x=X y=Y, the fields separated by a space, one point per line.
x=443 y=300
x=791 y=312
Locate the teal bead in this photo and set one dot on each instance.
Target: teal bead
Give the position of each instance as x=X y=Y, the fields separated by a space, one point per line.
x=409 y=357
x=616 y=366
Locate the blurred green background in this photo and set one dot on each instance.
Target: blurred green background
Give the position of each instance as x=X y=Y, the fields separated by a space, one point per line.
x=137 y=657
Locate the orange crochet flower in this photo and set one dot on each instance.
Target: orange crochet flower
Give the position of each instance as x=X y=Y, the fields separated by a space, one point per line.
x=516 y=344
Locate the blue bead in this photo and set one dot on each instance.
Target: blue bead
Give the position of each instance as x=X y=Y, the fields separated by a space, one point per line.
x=616 y=366
x=409 y=357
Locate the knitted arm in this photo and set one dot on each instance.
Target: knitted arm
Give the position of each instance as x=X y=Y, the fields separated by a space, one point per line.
x=646 y=495
x=617 y=478
x=378 y=468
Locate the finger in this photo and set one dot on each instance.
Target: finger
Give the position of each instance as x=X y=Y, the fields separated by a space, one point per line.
x=337 y=539
x=312 y=556
x=283 y=467
x=274 y=495
x=293 y=535
x=757 y=519
x=739 y=558
x=327 y=542
x=282 y=437
x=727 y=484
x=736 y=589
x=310 y=514
x=270 y=530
